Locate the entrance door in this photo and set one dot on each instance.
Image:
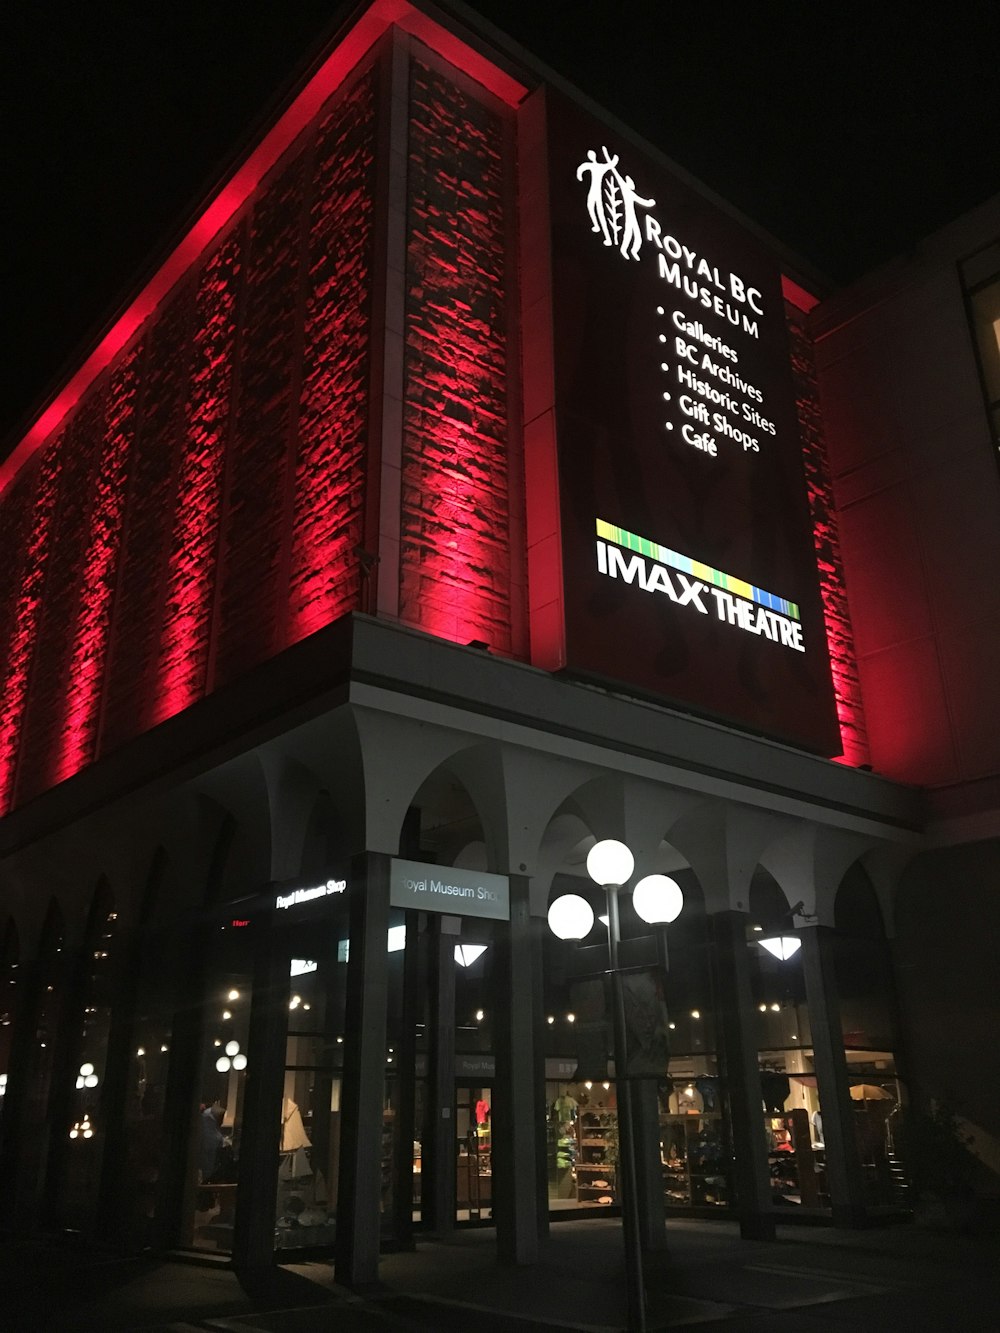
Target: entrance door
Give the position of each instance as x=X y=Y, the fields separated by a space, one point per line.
x=473 y=1128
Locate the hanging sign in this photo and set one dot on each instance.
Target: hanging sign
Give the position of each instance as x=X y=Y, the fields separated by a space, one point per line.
x=449 y=889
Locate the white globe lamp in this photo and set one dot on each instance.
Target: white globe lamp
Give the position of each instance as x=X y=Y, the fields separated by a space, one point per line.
x=571 y=917
x=610 y=862
x=658 y=899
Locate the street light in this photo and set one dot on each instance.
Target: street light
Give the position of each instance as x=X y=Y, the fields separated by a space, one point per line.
x=657 y=900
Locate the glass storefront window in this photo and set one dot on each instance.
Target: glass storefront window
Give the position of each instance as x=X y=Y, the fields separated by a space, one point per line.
x=149 y=1065
x=981 y=279
x=214 y=1159
x=865 y=993
x=8 y=1003
x=78 y=1168
x=309 y=1146
x=582 y=1143
x=793 y=1129
x=694 y=1140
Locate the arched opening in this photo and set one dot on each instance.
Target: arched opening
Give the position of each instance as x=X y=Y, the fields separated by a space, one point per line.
x=670 y=1012
x=10 y=994
x=442 y=1011
x=81 y=1108
x=793 y=1117
x=867 y=1004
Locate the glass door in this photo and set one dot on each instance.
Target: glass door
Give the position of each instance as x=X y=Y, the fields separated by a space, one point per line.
x=474 y=1135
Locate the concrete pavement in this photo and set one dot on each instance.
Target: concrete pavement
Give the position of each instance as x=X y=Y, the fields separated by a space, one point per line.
x=809 y=1279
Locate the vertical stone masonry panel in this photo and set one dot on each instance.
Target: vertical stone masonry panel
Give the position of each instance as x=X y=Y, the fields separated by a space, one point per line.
x=455 y=563
x=190 y=581
x=26 y=521
x=135 y=637
x=78 y=738
x=330 y=466
x=251 y=602
x=839 y=634
x=203 y=502
x=52 y=661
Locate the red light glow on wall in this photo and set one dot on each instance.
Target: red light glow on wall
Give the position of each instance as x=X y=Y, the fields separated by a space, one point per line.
x=30 y=515
x=333 y=403
x=86 y=671
x=345 y=57
x=190 y=569
x=836 y=615
x=455 y=551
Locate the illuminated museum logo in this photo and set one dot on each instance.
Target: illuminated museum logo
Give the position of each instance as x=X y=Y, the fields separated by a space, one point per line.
x=612 y=201
x=613 y=206
x=654 y=568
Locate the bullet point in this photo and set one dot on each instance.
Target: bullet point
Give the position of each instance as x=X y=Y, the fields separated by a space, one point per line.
x=669 y=425
x=664 y=366
x=663 y=337
x=666 y=397
x=659 y=310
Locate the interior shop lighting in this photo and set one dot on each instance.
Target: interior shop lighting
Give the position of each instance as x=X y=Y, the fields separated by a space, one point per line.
x=86 y=1077
x=479 y=1015
x=141 y=1050
x=233 y=1059
x=571 y=1018
x=467 y=954
x=3 y=1085
x=395 y=943
x=226 y=1015
x=233 y=995
x=781 y=947
x=300 y=966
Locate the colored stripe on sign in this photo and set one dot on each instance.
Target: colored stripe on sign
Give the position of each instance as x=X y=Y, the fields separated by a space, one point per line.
x=609 y=532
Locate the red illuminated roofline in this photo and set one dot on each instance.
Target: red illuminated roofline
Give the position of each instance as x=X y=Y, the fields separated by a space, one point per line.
x=797 y=296
x=349 y=51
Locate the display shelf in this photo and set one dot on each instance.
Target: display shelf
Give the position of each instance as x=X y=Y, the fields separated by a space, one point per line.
x=695 y=1161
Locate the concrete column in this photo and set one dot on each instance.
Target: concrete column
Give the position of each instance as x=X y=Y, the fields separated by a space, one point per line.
x=359 y=1200
x=440 y=1158
x=741 y=1073
x=843 y=1163
x=176 y=1191
x=111 y=1213
x=15 y=1127
x=406 y=1058
x=256 y=1197
x=515 y=1117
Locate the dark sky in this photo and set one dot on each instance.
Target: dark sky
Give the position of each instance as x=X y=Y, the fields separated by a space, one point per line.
x=847 y=129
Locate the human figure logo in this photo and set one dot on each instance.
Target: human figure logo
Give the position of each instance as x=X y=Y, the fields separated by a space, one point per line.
x=612 y=201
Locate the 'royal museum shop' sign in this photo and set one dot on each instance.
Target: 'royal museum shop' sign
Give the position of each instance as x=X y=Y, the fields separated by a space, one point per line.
x=449 y=889
x=688 y=564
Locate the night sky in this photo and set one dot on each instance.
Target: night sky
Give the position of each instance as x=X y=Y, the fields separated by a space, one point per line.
x=849 y=130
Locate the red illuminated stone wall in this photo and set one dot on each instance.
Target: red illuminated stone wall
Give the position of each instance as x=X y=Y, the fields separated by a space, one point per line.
x=839 y=635
x=455 y=562
x=200 y=508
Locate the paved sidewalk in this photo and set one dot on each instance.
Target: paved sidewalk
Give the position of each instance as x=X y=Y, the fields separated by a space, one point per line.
x=809 y=1279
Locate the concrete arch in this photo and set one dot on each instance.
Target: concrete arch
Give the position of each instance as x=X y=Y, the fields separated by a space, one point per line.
x=397 y=756
x=723 y=843
x=293 y=793
x=236 y=797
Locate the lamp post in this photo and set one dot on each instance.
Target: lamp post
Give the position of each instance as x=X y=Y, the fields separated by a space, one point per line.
x=657 y=899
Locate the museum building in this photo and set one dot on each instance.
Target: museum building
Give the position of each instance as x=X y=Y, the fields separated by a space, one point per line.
x=469 y=485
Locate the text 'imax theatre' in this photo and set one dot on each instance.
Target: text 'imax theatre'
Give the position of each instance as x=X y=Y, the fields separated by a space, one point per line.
x=456 y=495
